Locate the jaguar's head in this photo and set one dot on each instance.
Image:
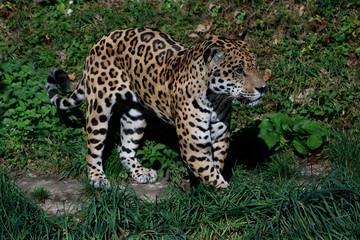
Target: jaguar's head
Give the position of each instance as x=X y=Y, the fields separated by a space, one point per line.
x=232 y=70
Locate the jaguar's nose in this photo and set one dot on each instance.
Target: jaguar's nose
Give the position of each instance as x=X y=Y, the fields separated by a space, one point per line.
x=261 y=90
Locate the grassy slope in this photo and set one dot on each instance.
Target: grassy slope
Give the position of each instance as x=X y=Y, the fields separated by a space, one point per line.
x=310 y=47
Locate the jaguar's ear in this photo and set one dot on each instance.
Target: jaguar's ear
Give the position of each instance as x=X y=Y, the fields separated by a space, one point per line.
x=213 y=55
x=243 y=35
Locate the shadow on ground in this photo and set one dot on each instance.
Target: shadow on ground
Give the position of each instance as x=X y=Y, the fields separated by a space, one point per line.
x=246 y=147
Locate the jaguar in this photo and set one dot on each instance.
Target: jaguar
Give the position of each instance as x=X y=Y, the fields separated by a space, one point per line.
x=142 y=70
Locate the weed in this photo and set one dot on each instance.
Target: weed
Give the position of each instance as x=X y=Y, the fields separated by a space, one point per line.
x=152 y=155
x=280 y=131
x=22 y=107
x=164 y=160
x=345 y=151
x=40 y=194
x=282 y=166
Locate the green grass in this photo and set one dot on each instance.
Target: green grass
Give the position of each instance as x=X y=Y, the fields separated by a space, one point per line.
x=20 y=218
x=345 y=151
x=39 y=194
x=252 y=209
x=282 y=167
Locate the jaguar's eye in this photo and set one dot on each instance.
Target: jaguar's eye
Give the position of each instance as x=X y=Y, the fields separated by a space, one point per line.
x=240 y=70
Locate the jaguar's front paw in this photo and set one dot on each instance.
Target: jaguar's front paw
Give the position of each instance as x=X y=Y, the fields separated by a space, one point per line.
x=223 y=185
x=101 y=183
x=144 y=175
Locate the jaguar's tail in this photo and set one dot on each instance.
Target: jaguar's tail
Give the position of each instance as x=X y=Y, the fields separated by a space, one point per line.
x=60 y=77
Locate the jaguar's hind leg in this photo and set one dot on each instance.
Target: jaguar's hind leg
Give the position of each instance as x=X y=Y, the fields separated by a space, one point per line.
x=98 y=115
x=132 y=130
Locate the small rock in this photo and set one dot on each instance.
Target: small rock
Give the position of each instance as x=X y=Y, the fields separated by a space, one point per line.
x=31 y=175
x=303 y=97
x=202 y=28
x=193 y=35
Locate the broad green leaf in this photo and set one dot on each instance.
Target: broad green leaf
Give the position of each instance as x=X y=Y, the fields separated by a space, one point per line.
x=314 y=128
x=283 y=140
x=266 y=125
x=270 y=138
x=158 y=147
x=140 y=152
x=282 y=122
x=299 y=146
x=314 y=141
x=286 y=127
x=319 y=112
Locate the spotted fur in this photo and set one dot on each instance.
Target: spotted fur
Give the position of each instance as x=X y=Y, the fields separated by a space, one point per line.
x=142 y=70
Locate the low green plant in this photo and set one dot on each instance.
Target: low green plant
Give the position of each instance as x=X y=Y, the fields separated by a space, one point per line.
x=40 y=194
x=166 y=161
x=157 y=156
x=24 y=106
x=114 y=169
x=282 y=132
x=345 y=151
x=331 y=104
x=281 y=166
